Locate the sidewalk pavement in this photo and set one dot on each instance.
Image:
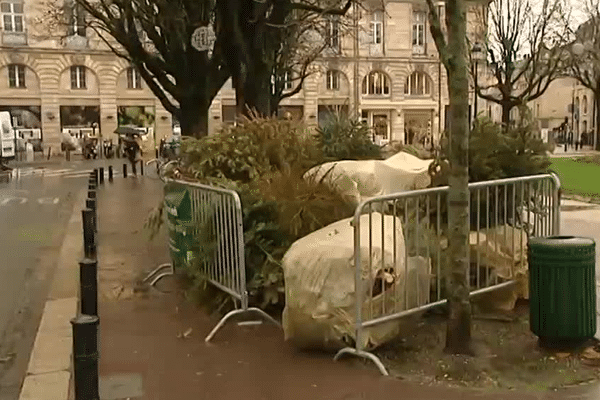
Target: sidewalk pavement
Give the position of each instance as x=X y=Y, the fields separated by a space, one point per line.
x=144 y=354
x=559 y=152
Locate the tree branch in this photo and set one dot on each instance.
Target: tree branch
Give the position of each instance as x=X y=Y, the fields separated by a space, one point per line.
x=159 y=92
x=437 y=33
x=324 y=11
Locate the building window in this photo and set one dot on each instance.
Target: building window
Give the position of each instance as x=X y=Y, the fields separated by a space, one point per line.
x=78 y=77
x=333 y=34
x=328 y=114
x=585 y=104
x=76 y=18
x=377 y=27
x=585 y=128
x=333 y=80
x=16 y=76
x=418 y=32
x=12 y=16
x=134 y=79
x=418 y=84
x=380 y=127
x=287 y=80
x=376 y=83
x=228 y=115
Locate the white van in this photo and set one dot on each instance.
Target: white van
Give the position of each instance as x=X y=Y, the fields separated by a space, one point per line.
x=7 y=136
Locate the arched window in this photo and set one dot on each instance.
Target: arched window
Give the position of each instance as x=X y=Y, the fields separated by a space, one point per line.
x=78 y=80
x=584 y=105
x=376 y=83
x=418 y=84
x=332 y=79
x=16 y=76
x=134 y=79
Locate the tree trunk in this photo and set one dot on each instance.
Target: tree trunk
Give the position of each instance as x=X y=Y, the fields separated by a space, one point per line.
x=458 y=335
x=194 y=117
x=257 y=90
x=506 y=109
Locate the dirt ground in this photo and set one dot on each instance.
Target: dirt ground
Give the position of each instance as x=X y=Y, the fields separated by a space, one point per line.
x=508 y=356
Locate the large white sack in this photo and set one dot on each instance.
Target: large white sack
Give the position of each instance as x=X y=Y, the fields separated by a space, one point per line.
x=501 y=252
x=320 y=290
x=361 y=180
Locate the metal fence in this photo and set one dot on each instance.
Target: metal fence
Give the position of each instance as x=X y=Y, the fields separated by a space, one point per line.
x=401 y=244
x=218 y=239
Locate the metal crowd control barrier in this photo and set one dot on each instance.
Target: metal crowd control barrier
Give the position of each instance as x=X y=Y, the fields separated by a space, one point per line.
x=506 y=209
x=218 y=213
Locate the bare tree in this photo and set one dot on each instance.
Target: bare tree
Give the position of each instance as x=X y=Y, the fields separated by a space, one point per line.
x=300 y=46
x=452 y=49
x=524 y=47
x=584 y=63
x=155 y=36
x=258 y=44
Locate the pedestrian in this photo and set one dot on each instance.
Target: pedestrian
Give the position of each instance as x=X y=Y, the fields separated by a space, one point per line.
x=134 y=153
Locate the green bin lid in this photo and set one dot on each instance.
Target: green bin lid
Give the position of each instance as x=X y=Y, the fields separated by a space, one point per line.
x=562 y=241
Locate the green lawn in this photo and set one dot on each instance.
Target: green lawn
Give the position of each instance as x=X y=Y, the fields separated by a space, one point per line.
x=578 y=176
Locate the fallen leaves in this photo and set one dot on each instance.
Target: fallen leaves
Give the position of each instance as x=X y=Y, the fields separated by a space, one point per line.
x=185 y=334
x=591 y=356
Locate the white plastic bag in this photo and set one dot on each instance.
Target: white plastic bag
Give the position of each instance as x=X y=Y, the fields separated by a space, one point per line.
x=320 y=291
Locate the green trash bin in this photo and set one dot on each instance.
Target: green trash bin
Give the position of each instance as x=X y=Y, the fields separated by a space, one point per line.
x=562 y=289
x=178 y=208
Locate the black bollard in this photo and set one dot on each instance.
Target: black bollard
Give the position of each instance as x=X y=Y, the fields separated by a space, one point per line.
x=85 y=357
x=88 y=280
x=124 y=170
x=101 y=175
x=89 y=235
x=91 y=204
x=95 y=175
x=91 y=194
x=142 y=167
x=110 y=173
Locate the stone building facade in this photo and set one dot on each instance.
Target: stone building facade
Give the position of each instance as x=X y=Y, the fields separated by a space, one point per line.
x=401 y=84
x=394 y=81
x=69 y=80
x=555 y=107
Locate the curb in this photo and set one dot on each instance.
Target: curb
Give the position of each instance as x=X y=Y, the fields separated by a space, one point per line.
x=49 y=370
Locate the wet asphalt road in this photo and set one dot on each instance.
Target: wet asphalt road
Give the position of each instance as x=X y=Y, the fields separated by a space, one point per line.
x=34 y=211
